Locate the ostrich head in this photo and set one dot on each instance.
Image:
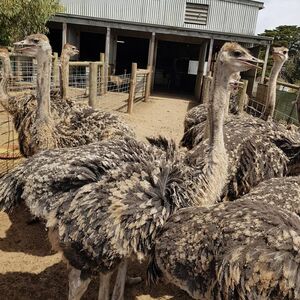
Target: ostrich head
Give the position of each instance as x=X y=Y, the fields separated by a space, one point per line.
x=4 y=54
x=280 y=54
x=70 y=50
x=235 y=58
x=33 y=45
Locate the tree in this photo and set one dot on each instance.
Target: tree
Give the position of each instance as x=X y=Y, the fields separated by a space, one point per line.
x=19 y=18
x=288 y=36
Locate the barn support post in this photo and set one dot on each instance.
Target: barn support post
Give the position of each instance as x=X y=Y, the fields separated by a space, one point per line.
x=102 y=74
x=55 y=69
x=107 y=54
x=242 y=96
x=263 y=74
x=132 y=87
x=64 y=33
x=210 y=54
x=93 y=84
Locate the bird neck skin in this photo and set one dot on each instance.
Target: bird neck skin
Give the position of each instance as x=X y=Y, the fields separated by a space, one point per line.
x=44 y=62
x=271 y=91
x=4 y=98
x=214 y=175
x=64 y=76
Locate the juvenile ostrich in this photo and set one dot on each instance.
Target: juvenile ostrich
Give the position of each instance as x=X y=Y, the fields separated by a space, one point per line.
x=232 y=250
x=258 y=150
x=248 y=249
x=67 y=52
x=6 y=75
x=102 y=212
x=45 y=122
x=280 y=56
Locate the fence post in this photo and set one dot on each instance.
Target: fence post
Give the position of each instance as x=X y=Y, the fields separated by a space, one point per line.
x=132 y=87
x=55 y=69
x=242 y=96
x=102 y=73
x=148 y=83
x=18 y=69
x=207 y=80
x=93 y=84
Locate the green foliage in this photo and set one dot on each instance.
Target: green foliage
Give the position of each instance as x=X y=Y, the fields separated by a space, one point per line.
x=19 y=18
x=288 y=36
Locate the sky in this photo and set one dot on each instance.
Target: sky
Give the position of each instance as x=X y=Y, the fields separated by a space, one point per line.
x=278 y=12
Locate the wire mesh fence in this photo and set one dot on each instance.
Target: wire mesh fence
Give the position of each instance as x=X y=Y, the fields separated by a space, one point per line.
x=256 y=108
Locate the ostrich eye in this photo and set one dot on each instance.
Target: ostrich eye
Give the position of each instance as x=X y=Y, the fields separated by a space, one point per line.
x=36 y=41
x=284 y=52
x=237 y=53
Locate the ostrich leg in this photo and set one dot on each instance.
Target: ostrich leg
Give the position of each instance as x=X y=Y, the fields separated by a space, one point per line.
x=104 y=286
x=118 y=293
x=77 y=286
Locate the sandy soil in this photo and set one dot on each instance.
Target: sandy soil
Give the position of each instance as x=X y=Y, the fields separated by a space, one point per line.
x=28 y=267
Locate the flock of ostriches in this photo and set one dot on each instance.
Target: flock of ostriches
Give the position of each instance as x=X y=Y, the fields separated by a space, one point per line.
x=220 y=219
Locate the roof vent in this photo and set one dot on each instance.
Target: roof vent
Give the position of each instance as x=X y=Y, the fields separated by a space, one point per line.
x=196 y=14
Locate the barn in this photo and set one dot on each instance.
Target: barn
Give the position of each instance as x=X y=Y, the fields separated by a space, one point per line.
x=177 y=38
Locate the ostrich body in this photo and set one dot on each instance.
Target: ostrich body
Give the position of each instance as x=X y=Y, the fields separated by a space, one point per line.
x=101 y=213
x=47 y=121
x=232 y=250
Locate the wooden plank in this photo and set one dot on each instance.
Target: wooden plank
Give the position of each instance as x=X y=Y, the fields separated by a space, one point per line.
x=132 y=87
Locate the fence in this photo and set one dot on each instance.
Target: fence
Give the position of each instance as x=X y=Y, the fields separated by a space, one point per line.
x=287 y=107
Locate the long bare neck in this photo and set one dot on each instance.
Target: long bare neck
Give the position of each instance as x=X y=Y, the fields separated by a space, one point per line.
x=271 y=91
x=44 y=62
x=213 y=179
x=4 y=98
x=64 y=74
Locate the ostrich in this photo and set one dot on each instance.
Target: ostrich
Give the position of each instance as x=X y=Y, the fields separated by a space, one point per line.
x=193 y=127
x=45 y=122
x=258 y=150
x=103 y=212
x=280 y=56
x=246 y=249
x=67 y=51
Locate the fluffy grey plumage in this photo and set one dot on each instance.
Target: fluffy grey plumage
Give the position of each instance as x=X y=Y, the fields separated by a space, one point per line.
x=257 y=151
x=67 y=124
x=109 y=204
x=234 y=250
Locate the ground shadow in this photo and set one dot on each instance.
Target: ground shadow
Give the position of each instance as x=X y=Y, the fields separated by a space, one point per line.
x=53 y=284
x=21 y=237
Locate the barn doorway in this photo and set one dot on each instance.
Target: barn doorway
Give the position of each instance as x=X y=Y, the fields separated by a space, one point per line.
x=91 y=45
x=129 y=50
x=172 y=73
x=55 y=38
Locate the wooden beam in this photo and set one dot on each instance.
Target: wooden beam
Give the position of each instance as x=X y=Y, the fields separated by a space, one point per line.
x=200 y=72
x=151 y=50
x=263 y=74
x=132 y=88
x=210 y=53
x=64 y=34
x=107 y=55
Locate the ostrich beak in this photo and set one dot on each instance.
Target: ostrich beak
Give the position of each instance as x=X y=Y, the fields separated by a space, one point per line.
x=251 y=61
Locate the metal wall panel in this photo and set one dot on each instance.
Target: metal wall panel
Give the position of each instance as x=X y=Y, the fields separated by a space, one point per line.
x=223 y=15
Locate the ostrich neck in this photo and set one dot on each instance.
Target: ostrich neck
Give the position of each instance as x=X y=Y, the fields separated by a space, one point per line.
x=65 y=59
x=44 y=62
x=4 y=97
x=271 y=91
x=211 y=182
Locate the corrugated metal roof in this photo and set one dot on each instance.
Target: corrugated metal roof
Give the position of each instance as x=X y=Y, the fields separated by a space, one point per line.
x=233 y=16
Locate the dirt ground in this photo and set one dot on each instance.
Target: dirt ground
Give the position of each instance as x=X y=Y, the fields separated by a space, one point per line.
x=28 y=267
